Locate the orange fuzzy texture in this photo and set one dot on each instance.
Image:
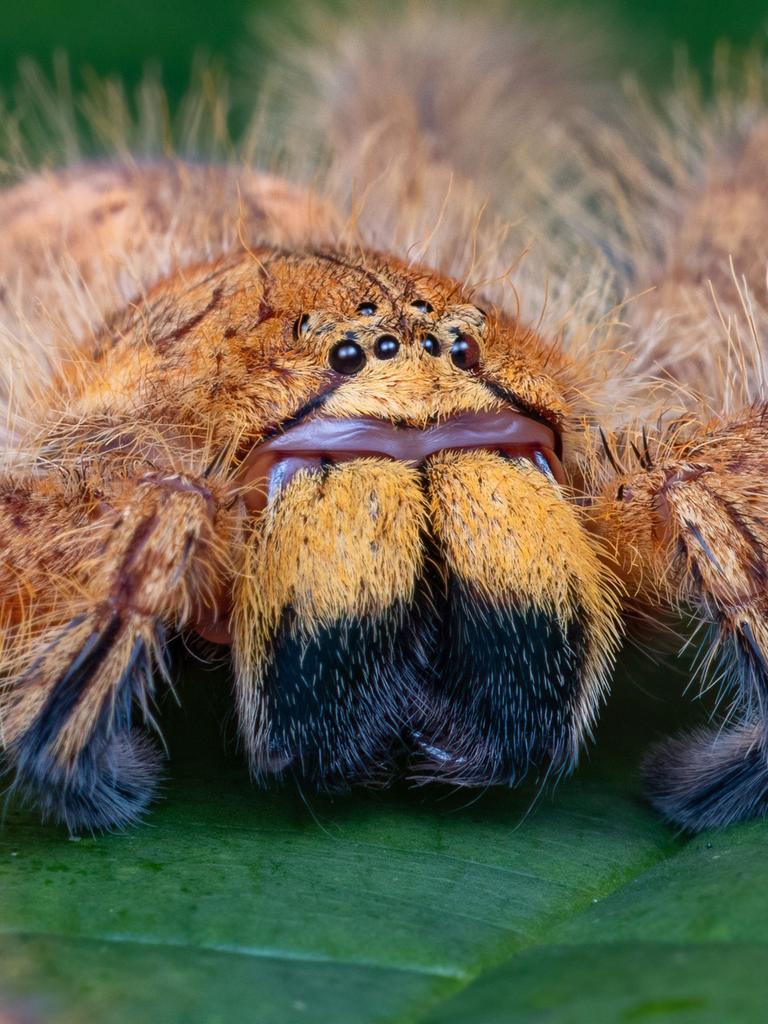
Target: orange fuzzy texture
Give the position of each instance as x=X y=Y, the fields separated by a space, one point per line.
x=514 y=538
x=149 y=317
x=197 y=372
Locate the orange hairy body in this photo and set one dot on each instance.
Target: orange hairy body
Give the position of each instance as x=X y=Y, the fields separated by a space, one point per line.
x=184 y=512
x=410 y=501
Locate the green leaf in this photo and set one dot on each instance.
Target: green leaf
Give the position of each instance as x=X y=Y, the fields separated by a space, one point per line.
x=231 y=904
x=634 y=983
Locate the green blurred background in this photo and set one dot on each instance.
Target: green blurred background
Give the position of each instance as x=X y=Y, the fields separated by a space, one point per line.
x=120 y=36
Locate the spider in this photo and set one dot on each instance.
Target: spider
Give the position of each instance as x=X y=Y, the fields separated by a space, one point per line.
x=406 y=507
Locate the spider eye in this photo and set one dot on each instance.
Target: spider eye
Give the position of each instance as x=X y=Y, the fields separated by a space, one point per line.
x=430 y=344
x=422 y=306
x=366 y=308
x=465 y=352
x=347 y=357
x=386 y=347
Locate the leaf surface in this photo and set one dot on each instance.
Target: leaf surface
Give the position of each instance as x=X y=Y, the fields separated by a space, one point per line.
x=396 y=907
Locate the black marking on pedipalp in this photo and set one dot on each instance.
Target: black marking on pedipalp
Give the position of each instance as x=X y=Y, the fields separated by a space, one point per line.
x=121 y=591
x=69 y=687
x=504 y=692
x=135 y=684
x=745 y=664
x=111 y=785
x=713 y=777
x=742 y=527
x=335 y=703
x=757 y=655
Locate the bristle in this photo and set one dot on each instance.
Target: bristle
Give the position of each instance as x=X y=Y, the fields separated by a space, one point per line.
x=524 y=71
x=334 y=701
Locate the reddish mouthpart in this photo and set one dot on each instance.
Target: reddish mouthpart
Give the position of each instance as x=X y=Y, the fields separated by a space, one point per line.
x=317 y=441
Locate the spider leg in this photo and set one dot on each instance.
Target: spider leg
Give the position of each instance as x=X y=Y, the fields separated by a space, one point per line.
x=690 y=530
x=86 y=612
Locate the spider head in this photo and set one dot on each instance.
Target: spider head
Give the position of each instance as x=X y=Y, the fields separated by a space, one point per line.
x=415 y=580
x=412 y=347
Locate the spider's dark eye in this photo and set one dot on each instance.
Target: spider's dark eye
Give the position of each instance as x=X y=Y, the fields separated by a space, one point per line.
x=465 y=352
x=347 y=357
x=366 y=308
x=301 y=325
x=430 y=344
x=422 y=306
x=386 y=347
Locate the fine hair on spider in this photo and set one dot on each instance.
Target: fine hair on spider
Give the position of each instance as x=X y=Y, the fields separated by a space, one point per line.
x=409 y=401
